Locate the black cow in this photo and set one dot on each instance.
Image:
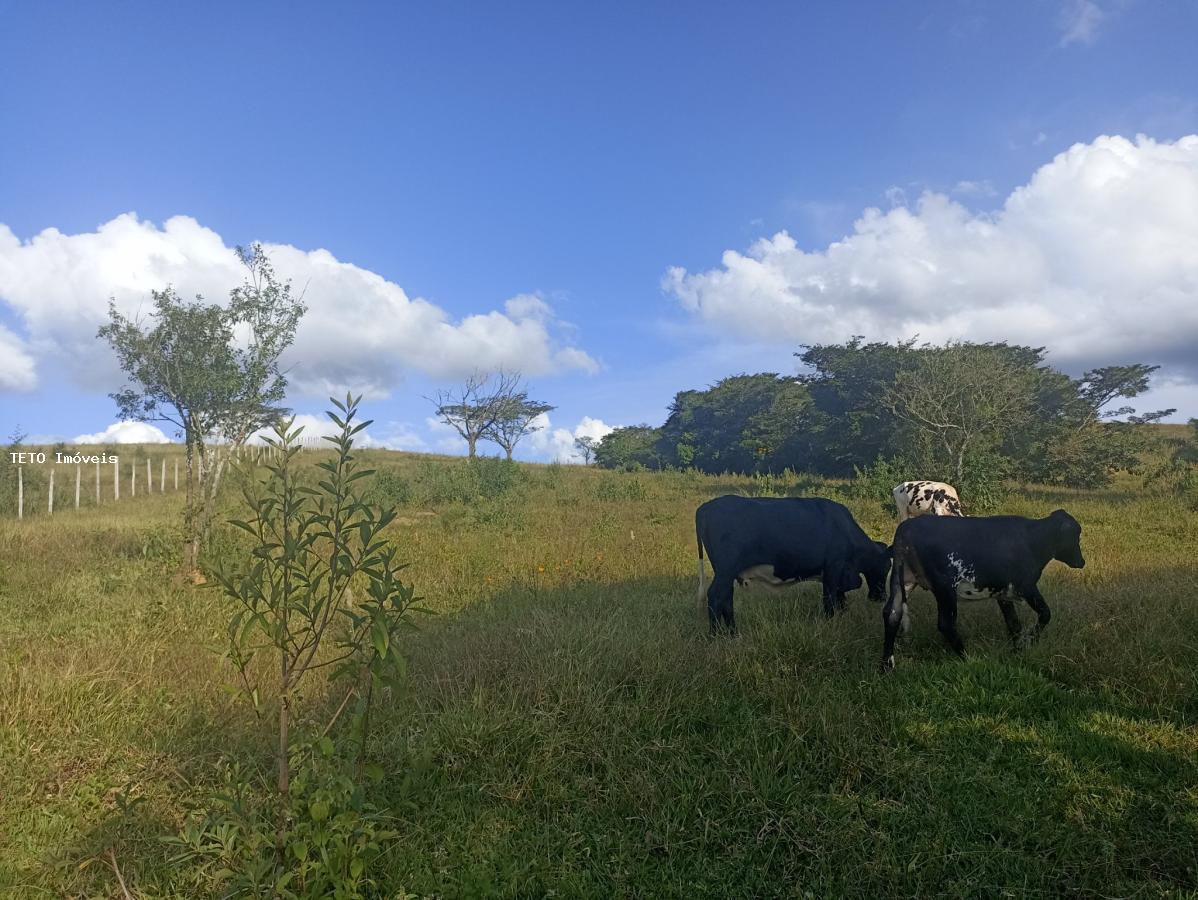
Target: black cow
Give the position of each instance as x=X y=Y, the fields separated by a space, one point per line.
x=999 y=557
x=782 y=541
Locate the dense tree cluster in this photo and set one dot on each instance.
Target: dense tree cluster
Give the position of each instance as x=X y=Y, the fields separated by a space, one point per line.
x=941 y=411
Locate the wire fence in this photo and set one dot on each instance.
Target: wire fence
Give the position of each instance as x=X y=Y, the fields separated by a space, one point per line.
x=54 y=481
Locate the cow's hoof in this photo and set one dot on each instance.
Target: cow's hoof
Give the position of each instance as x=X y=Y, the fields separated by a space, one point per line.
x=1027 y=638
x=887 y=665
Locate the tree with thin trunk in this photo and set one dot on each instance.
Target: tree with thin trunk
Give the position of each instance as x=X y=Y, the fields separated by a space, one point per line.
x=210 y=370
x=517 y=418
x=473 y=407
x=586 y=446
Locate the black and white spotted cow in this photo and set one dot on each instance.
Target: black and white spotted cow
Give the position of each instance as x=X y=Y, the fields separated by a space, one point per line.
x=917 y=498
x=780 y=541
x=974 y=558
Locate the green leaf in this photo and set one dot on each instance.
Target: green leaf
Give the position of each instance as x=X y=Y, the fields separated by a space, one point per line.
x=318 y=810
x=380 y=637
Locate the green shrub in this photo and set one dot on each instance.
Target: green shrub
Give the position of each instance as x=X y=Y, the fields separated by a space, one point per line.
x=983 y=485
x=335 y=835
x=468 y=481
x=877 y=481
x=613 y=487
x=314 y=834
x=388 y=488
x=784 y=484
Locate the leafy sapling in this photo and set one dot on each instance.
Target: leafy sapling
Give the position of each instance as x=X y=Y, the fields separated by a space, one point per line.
x=295 y=614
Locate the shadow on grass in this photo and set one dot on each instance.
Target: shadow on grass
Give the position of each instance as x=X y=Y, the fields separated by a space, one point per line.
x=590 y=739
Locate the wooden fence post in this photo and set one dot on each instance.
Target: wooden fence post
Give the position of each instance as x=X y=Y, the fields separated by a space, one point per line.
x=176 y=474
x=20 y=493
x=149 y=477
x=162 y=476
x=50 y=501
x=116 y=479
x=78 y=477
x=132 y=479
x=97 y=481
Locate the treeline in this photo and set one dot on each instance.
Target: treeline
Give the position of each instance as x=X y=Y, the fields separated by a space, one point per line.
x=961 y=412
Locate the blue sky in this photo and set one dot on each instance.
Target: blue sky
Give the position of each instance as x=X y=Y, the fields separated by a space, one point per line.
x=470 y=154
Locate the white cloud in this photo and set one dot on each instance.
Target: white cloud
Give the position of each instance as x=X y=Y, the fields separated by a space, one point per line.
x=125 y=433
x=1096 y=257
x=557 y=444
x=391 y=436
x=1080 y=21
x=445 y=438
x=16 y=365
x=360 y=333
x=979 y=189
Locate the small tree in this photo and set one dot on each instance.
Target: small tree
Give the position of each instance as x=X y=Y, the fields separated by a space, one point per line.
x=586 y=446
x=516 y=420
x=211 y=371
x=294 y=614
x=473 y=408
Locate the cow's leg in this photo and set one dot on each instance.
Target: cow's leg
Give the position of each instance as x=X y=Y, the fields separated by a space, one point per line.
x=841 y=601
x=946 y=607
x=832 y=581
x=1014 y=627
x=719 y=605
x=893 y=615
x=1036 y=601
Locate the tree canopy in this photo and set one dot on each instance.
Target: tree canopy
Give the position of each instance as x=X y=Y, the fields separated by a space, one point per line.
x=937 y=411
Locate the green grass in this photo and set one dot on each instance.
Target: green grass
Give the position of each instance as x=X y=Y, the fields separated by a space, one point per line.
x=569 y=728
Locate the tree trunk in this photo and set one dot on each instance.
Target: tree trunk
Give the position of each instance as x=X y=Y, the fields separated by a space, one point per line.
x=509 y=452
x=472 y=444
x=192 y=549
x=210 y=486
x=284 y=784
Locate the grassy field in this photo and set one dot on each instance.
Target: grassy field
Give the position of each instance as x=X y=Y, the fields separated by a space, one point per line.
x=568 y=728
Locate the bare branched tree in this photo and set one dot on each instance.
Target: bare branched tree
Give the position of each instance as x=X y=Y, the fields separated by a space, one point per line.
x=964 y=396
x=474 y=407
x=516 y=419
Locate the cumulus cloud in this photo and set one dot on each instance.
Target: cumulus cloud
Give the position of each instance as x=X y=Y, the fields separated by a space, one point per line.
x=390 y=436
x=980 y=189
x=360 y=333
x=1080 y=21
x=1096 y=257
x=125 y=433
x=557 y=444
x=16 y=365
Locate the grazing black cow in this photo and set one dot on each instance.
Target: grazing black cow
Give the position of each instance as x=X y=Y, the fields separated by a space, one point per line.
x=782 y=541
x=999 y=557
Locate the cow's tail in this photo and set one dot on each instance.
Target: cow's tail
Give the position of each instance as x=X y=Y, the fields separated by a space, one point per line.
x=699 y=541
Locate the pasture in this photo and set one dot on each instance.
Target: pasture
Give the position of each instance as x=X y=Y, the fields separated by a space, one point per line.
x=569 y=729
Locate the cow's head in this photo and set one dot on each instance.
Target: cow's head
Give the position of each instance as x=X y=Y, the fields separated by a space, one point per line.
x=875 y=566
x=1066 y=539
